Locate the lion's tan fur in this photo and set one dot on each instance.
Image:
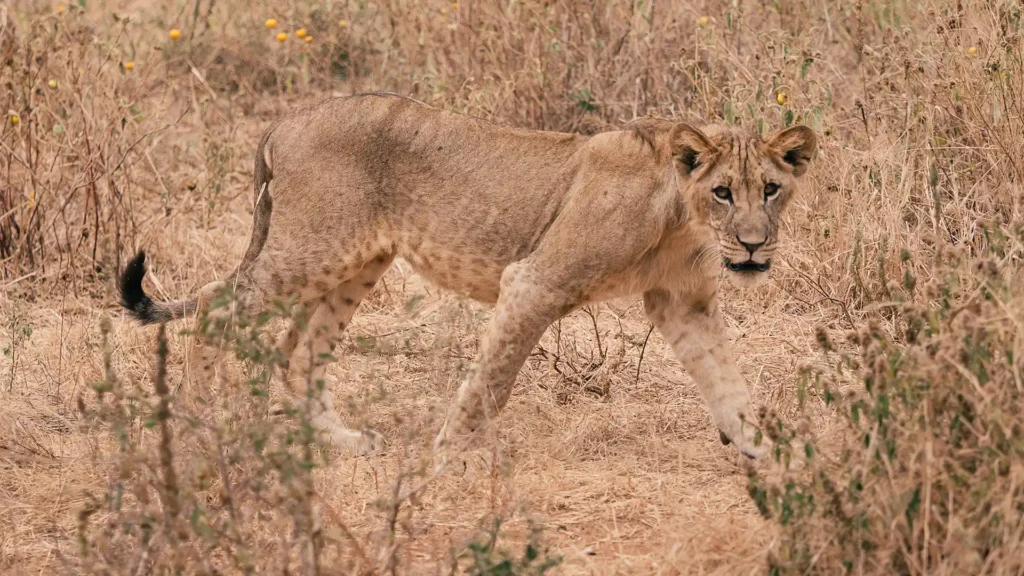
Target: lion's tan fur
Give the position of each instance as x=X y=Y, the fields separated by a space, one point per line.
x=539 y=223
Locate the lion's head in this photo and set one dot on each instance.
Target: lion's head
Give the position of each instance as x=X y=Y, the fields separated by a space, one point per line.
x=737 y=184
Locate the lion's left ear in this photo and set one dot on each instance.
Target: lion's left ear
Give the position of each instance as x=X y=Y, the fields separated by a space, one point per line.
x=795 y=147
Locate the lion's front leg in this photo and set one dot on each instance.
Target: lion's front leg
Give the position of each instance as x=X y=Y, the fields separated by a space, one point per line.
x=525 y=308
x=696 y=332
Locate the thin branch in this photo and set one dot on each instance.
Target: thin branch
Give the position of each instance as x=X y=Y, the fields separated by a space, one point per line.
x=642 y=349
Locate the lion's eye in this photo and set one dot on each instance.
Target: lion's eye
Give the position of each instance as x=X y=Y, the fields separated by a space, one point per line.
x=722 y=193
x=771 y=190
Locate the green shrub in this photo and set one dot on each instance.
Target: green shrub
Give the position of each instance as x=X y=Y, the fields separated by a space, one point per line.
x=925 y=471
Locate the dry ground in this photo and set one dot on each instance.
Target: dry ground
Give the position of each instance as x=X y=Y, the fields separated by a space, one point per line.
x=626 y=478
x=637 y=476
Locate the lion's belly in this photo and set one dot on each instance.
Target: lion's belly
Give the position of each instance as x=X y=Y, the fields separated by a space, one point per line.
x=463 y=271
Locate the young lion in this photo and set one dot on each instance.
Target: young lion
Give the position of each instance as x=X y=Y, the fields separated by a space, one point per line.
x=539 y=223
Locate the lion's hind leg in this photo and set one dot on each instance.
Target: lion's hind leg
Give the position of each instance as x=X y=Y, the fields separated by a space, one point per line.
x=312 y=352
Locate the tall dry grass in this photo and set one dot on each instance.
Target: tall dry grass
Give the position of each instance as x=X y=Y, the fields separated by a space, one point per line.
x=127 y=138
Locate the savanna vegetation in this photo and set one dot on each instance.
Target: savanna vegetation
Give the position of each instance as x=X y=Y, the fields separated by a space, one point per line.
x=886 y=351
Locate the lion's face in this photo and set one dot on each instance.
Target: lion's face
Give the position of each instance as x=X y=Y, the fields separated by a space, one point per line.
x=738 y=185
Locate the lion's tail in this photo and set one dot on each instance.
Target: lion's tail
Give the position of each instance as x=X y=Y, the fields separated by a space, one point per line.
x=140 y=305
x=145 y=309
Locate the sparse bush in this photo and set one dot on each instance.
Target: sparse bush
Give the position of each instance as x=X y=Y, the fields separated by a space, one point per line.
x=926 y=471
x=489 y=560
x=196 y=479
x=67 y=162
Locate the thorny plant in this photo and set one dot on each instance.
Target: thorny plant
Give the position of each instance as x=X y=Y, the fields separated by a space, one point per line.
x=926 y=474
x=248 y=463
x=243 y=465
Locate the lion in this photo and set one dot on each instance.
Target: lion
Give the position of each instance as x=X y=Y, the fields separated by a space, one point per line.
x=536 y=223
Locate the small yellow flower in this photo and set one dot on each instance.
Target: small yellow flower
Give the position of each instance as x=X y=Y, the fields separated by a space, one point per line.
x=271 y=23
x=703 y=21
x=129 y=65
x=15 y=119
x=972 y=50
x=61 y=8
x=175 y=34
x=32 y=199
x=781 y=98
x=309 y=39
x=444 y=10
x=300 y=33
x=52 y=84
x=281 y=36
x=342 y=23
x=455 y=5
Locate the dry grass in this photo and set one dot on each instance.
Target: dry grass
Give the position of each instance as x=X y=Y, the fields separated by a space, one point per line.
x=918 y=106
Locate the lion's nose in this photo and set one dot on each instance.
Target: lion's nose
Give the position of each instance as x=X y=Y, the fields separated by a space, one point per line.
x=750 y=246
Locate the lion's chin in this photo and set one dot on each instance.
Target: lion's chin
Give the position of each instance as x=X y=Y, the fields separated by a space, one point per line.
x=747 y=279
x=747 y=274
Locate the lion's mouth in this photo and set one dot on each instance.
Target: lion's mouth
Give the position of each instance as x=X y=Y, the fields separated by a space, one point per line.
x=748 y=266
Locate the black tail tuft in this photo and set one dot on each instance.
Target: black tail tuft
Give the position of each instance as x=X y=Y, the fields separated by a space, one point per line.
x=132 y=295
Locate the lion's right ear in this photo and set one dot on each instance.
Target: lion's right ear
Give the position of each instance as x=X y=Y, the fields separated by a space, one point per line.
x=691 y=146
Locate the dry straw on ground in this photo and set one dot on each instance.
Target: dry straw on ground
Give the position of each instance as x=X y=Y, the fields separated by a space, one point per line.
x=117 y=135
